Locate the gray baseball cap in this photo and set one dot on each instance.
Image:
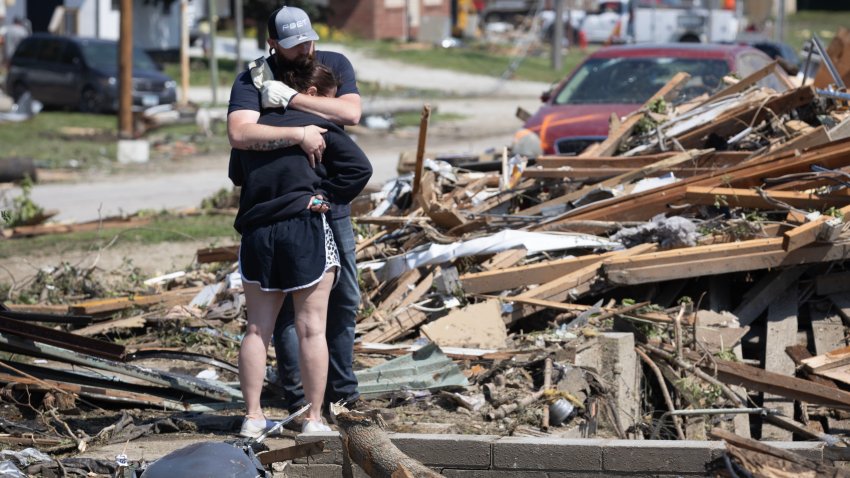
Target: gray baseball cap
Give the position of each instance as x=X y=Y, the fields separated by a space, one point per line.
x=291 y=26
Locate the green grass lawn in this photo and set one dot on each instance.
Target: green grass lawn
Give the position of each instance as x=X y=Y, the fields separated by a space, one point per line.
x=801 y=25
x=44 y=138
x=217 y=228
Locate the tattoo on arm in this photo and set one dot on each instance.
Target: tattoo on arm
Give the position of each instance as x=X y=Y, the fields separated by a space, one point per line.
x=271 y=145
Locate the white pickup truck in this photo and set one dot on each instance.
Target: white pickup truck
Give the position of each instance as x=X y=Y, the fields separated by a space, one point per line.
x=661 y=21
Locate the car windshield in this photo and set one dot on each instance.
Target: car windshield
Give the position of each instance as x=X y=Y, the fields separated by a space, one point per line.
x=635 y=80
x=105 y=56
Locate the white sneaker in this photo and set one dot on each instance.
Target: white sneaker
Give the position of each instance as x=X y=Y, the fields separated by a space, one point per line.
x=254 y=427
x=314 y=426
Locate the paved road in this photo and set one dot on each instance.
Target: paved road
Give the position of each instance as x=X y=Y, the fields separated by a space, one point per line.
x=488 y=124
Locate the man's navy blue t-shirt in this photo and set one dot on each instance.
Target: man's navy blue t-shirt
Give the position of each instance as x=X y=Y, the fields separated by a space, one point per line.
x=245 y=96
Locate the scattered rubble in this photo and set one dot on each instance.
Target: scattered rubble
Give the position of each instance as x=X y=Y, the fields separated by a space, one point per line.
x=684 y=279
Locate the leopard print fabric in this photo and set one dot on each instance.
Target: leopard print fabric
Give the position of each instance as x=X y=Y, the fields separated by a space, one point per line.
x=331 y=252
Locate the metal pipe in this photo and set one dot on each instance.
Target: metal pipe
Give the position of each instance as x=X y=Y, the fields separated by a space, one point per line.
x=708 y=411
x=833 y=94
x=836 y=77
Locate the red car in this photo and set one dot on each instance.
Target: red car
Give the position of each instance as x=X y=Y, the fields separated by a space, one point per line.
x=619 y=80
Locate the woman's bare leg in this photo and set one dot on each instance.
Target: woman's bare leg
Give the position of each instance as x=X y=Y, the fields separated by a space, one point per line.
x=311 y=313
x=262 y=308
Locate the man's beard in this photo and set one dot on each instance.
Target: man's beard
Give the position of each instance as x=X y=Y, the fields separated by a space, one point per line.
x=300 y=64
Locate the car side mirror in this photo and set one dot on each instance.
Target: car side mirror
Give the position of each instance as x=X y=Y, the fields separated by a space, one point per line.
x=545 y=96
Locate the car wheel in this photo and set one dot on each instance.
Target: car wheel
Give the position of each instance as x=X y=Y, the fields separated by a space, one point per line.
x=89 y=101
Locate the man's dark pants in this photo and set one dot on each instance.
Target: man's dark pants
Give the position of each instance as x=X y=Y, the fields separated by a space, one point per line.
x=342 y=314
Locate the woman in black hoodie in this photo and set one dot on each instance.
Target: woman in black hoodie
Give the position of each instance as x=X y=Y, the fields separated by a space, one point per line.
x=287 y=245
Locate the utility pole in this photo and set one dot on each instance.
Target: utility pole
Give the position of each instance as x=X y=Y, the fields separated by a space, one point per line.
x=780 y=22
x=125 y=71
x=558 y=35
x=213 y=58
x=184 y=52
x=239 y=34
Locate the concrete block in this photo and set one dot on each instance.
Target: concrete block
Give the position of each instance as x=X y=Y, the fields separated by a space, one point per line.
x=461 y=451
x=455 y=473
x=641 y=456
x=313 y=471
x=551 y=454
x=133 y=151
x=332 y=454
x=619 y=367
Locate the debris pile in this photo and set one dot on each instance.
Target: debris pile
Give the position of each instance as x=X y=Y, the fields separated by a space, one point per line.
x=684 y=279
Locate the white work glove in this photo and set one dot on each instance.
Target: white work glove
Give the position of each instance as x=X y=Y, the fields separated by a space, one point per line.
x=276 y=94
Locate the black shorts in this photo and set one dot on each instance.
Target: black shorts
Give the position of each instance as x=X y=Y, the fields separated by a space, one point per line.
x=288 y=255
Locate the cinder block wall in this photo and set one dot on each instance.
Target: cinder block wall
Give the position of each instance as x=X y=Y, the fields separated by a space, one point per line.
x=473 y=456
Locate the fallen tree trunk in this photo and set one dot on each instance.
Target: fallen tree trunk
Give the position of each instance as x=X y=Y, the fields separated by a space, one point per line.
x=367 y=444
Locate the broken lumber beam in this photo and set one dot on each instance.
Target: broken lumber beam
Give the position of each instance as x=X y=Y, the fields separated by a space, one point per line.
x=757 y=379
x=601 y=173
x=744 y=83
x=114 y=304
x=218 y=254
x=523 y=276
x=752 y=113
x=397 y=325
x=812 y=230
x=646 y=204
x=572 y=285
x=749 y=198
x=765 y=292
x=692 y=263
x=630 y=162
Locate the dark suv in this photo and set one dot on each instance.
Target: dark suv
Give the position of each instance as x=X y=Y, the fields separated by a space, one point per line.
x=82 y=73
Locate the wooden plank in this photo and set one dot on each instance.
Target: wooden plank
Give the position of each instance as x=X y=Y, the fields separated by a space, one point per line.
x=748 y=198
x=218 y=254
x=396 y=326
x=109 y=223
x=809 y=232
x=631 y=162
x=598 y=174
x=752 y=113
x=754 y=378
x=744 y=83
x=799 y=353
x=38 y=308
x=136 y=322
x=816 y=253
x=504 y=259
x=114 y=304
x=815 y=137
x=827 y=331
x=403 y=286
x=574 y=284
x=644 y=205
x=513 y=277
x=764 y=293
x=781 y=333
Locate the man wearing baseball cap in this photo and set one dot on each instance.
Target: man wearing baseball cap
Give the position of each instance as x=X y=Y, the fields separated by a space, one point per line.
x=257 y=90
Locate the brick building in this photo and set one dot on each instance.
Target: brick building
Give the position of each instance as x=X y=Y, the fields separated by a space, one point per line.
x=425 y=20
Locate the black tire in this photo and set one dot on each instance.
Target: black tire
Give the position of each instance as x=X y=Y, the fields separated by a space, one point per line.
x=90 y=101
